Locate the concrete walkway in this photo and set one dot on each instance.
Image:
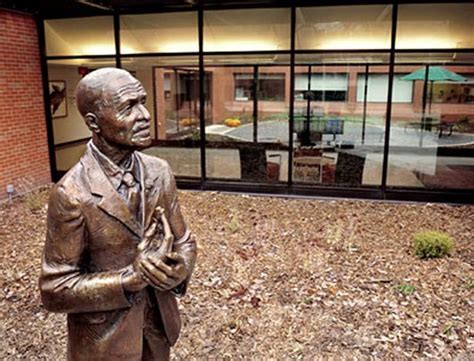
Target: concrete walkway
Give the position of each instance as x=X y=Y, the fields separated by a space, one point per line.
x=275 y=131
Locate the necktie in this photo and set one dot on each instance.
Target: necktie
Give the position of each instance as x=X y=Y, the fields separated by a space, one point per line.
x=132 y=194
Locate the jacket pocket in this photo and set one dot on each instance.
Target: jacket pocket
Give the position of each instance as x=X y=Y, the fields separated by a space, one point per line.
x=93 y=318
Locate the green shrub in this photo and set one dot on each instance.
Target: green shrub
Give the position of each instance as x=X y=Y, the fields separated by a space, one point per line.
x=469 y=283
x=406 y=289
x=34 y=201
x=233 y=225
x=432 y=244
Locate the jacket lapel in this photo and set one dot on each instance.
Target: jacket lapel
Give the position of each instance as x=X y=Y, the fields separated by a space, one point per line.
x=110 y=202
x=152 y=190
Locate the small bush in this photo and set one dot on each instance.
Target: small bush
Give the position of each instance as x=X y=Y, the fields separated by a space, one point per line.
x=34 y=201
x=432 y=244
x=469 y=283
x=233 y=225
x=406 y=289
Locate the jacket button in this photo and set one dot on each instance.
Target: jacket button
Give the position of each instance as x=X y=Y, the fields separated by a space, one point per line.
x=138 y=299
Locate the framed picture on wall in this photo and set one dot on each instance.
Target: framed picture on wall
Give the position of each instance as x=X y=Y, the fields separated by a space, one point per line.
x=58 y=99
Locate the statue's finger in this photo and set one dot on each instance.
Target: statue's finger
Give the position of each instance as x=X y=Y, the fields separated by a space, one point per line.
x=159 y=277
x=152 y=283
x=169 y=270
x=176 y=257
x=151 y=229
x=166 y=227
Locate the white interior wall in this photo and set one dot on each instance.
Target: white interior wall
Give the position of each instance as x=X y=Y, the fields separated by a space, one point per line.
x=71 y=127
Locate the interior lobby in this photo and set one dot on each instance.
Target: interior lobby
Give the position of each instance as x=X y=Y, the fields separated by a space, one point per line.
x=355 y=99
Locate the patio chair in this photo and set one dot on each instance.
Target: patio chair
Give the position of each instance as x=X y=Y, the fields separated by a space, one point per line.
x=254 y=166
x=349 y=169
x=307 y=164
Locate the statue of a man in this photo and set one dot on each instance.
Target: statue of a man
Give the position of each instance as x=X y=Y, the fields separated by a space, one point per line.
x=117 y=248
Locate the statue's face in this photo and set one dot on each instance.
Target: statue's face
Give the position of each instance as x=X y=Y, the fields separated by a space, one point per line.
x=124 y=121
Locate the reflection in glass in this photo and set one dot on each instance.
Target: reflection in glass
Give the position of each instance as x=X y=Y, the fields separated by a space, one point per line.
x=437 y=26
x=164 y=33
x=323 y=87
x=172 y=85
x=432 y=137
x=339 y=120
x=80 y=36
x=247 y=133
x=270 y=86
x=70 y=131
x=377 y=88
x=343 y=27
x=247 y=29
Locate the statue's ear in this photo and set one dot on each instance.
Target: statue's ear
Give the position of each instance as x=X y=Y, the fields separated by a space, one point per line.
x=91 y=121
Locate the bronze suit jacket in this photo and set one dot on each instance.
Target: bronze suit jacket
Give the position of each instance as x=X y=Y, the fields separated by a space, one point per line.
x=92 y=237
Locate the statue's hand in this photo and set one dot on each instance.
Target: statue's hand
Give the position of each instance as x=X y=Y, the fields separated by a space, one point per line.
x=151 y=242
x=132 y=280
x=147 y=243
x=164 y=273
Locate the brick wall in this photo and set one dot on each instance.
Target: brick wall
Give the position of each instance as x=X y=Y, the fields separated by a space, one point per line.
x=24 y=160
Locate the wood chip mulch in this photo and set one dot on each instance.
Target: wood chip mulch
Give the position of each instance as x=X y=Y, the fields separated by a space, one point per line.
x=280 y=279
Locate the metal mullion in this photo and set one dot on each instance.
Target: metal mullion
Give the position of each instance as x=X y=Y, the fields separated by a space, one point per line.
x=158 y=54
x=436 y=50
x=156 y=10
x=307 y=122
x=389 y=99
x=366 y=88
x=255 y=89
x=432 y=64
x=70 y=57
x=342 y=51
x=47 y=107
x=248 y=52
x=202 y=102
x=155 y=107
x=292 y=95
x=118 y=59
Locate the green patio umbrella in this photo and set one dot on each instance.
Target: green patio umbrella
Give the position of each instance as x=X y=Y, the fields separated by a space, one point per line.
x=435 y=73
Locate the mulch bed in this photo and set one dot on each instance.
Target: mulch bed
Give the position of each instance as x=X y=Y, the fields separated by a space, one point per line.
x=280 y=279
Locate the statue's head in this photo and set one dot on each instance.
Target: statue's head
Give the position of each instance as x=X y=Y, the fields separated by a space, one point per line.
x=112 y=103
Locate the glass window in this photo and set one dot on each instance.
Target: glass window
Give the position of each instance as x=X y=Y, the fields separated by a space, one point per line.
x=80 y=36
x=435 y=26
x=70 y=131
x=455 y=92
x=431 y=138
x=337 y=143
x=324 y=86
x=247 y=140
x=172 y=85
x=271 y=87
x=164 y=33
x=377 y=88
x=344 y=27
x=247 y=29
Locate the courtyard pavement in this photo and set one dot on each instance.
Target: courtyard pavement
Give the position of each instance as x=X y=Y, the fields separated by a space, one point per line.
x=275 y=131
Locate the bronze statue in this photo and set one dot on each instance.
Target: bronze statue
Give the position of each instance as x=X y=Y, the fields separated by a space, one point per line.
x=117 y=249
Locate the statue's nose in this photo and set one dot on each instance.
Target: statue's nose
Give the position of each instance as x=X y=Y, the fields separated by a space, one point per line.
x=145 y=112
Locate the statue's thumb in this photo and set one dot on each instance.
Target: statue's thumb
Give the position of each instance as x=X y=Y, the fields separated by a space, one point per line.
x=168 y=238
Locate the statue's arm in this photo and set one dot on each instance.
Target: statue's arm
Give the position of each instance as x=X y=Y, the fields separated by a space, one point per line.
x=184 y=243
x=64 y=286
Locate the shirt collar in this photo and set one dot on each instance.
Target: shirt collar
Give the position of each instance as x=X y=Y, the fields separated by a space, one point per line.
x=112 y=171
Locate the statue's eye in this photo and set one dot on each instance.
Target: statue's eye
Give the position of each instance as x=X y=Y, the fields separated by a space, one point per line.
x=128 y=109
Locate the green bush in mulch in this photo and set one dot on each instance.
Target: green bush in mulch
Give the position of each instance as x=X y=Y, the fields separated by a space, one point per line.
x=432 y=244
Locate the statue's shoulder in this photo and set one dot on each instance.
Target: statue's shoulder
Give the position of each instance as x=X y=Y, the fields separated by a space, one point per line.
x=153 y=163
x=70 y=187
x=74 y=177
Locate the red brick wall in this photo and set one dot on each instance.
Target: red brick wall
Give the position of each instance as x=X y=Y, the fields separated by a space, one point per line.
x=24 y=160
